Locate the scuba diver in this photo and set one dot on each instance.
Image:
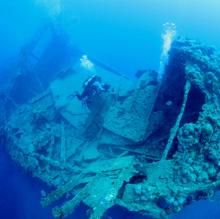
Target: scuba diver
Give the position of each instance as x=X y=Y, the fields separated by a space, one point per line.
x=92 y=87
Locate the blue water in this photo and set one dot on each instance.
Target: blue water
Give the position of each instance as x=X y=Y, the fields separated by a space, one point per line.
x=125 y=34
x=20 y=194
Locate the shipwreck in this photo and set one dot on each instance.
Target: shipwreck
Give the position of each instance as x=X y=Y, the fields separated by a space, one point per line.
x=148 y=146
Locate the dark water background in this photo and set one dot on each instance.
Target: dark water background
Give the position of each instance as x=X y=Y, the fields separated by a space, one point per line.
x=125 y=34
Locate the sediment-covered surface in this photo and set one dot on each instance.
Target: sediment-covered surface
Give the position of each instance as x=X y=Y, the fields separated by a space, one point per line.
x=152 y=147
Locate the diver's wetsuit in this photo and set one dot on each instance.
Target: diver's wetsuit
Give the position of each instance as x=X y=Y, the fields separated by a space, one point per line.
x=91 y=86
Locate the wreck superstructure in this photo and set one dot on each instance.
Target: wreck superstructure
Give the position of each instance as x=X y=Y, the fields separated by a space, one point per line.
x=147 y=146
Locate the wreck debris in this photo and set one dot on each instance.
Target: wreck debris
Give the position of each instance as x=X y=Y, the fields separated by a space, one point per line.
x=153 y=155
x=174 y=130
x=27 y=75
x=130 y=118
x=63 y=145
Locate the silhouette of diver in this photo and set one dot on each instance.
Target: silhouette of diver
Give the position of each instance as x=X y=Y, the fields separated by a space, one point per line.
x=92 y=86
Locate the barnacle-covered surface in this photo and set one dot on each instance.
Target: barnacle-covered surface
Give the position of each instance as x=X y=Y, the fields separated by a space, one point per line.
x=114 y=151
